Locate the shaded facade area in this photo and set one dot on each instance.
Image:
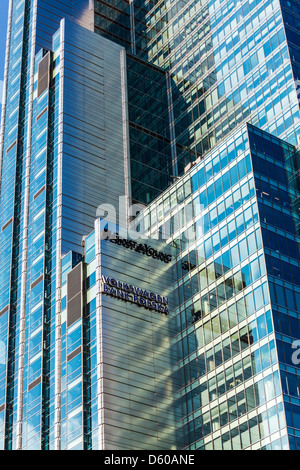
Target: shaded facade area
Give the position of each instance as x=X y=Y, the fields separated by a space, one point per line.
x=118 y=359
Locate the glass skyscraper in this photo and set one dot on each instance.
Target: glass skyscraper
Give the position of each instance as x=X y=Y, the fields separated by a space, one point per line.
x=226 y=62
x=182 y=333
x=238 y=292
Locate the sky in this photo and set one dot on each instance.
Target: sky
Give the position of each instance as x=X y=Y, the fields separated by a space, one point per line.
x=3 y=26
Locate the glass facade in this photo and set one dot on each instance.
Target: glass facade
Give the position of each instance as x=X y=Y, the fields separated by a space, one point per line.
x=12 y=203
x=237 y=276
x=41 y=218
x=277 y=163
x=191 y=108
x=226 y=62
x=151 y=148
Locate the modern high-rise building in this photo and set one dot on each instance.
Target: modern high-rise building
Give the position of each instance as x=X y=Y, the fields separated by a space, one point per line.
x=149 y=225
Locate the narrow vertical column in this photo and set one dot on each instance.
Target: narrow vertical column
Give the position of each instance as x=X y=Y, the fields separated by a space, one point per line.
x=172 y=126
x=2 y=132
x=57 y=417
x=127 y=172
x=25 y=239
x=3 y=111
x=101 y=442
x=92 y=14
x=132 y=27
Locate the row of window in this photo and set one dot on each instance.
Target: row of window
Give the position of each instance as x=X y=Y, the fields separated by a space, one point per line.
x=286 y=271
x=284 y=296
x=222 y=352
x=248 y=274
x=227 y=232
x=225 y=290
x=235 y=407
x=240 y=93
x=221 y=383
x=251 y=432
x=219 y=161
x=290 y=384
x=287 y=325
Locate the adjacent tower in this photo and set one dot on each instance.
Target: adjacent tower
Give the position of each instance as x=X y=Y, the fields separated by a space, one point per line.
x=189 y=107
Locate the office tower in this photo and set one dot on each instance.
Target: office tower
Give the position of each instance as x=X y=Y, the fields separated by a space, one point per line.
x=55 y=151
x=237 y=291
x=226 y=62
x=110 y=100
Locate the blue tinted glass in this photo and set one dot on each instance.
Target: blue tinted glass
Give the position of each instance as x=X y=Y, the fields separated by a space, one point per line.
x=223 y=158
x=210 y=194
x=234 y=175
x=213 y=217
x=242 y=169
x=208 y=248
x=235 y=255
x=223 y=236
x=231 y=230
x=226 y=261
x=240 y=224
x=243 y=249
x=216 y=242
x=218 y=187
x=221 y=211
x=226 y=181
x=261 y=326
x=237 y=201
x=216 y=165
x=194 y=182
x=206 y=225
x=208 y=171
x=229 y=205
x=246 y=275
x=231 y=152
x=201 y=176
x=203 y=198
x=258 y=298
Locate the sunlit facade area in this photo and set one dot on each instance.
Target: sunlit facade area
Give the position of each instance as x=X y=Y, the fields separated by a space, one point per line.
x=149 y=225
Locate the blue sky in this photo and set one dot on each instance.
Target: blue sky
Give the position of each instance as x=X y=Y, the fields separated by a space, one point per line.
x=3 y=26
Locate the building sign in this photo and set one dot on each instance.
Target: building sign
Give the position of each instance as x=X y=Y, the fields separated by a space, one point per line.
x=142 y=248
x=135 y=295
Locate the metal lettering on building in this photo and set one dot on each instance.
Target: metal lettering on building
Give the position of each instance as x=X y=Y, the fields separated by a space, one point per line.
x=142 y=248
x=136 y=295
